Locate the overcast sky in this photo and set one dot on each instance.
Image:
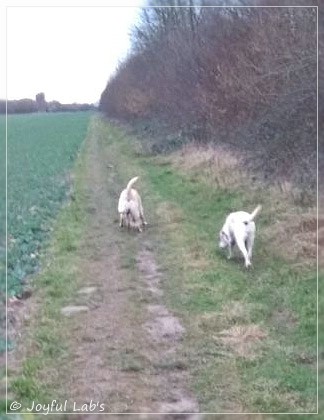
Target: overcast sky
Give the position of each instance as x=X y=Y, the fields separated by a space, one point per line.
x=66 y=52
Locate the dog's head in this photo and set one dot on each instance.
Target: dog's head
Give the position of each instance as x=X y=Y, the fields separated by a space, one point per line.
x=224 y=239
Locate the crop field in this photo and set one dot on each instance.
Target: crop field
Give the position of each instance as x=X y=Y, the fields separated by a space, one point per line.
x=41 y=151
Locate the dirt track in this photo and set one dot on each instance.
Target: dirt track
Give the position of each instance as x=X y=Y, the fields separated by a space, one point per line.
x=123 y=349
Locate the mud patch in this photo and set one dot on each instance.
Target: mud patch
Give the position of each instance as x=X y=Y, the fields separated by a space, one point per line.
x=149 y=269
x=147 y=265
x=163 y=325
x=17 y=317
x=180 y=404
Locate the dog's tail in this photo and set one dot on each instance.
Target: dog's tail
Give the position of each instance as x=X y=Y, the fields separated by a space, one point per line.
x=130 y=185
x=255 y=212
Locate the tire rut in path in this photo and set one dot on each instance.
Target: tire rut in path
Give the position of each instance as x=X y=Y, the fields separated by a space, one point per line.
x=165 y=332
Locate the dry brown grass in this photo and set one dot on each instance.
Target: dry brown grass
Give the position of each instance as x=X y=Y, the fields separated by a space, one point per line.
x=294 y=235
x=236 y=312
x=291 y=228
x=213 y=164
x=243 y=340
x=321 y=236
x=232 y=313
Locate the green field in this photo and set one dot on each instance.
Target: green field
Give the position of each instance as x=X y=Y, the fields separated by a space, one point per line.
x=41 y=151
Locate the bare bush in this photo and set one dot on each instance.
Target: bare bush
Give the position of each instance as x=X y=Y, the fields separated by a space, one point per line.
x=244 y=77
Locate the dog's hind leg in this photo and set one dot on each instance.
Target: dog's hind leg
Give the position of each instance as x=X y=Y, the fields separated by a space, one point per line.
x=240 y=243
x=137 y=225
x=121 y=219
x=141 y=212
x=249 y=245
x=144 y=222
x=229 y=256
x=136 y=219
x=128 y=220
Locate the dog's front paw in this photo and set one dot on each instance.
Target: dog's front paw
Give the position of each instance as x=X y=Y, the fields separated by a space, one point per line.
x=248 y=264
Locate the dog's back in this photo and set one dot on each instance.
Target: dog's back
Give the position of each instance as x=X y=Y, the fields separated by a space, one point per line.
x=243 y=216
x=239 y=223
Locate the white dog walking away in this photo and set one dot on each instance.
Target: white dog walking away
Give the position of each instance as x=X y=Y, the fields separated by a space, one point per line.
x=239 y=229
x=130 y=207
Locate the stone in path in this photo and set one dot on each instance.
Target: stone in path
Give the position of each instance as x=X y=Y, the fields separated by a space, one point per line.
x=87 y=290
x=71 y=310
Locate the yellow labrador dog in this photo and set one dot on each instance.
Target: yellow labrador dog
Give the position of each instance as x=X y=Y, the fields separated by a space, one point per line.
x=239 y=229
x=130 y=207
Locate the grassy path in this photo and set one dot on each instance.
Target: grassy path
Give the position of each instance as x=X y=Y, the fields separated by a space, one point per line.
x=169 y=324
x=117 y=359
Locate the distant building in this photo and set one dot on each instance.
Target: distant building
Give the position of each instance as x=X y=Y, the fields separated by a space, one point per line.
x=41 y=103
